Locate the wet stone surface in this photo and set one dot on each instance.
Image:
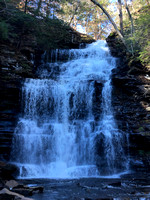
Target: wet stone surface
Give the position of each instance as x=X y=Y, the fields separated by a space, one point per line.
x=136 y=187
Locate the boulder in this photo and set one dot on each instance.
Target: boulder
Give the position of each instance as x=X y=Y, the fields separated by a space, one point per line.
x=2 y=184
x=5 y=194
x=27 y=191
x=11 y=184
x=8 y=171
x=23 y=191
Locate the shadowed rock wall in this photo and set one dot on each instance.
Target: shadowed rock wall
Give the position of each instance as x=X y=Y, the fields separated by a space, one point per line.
x=10 y=91
x=16 y=65
x=131 y=103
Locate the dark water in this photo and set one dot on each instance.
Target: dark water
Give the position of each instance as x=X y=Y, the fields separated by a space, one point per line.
x=136 y=187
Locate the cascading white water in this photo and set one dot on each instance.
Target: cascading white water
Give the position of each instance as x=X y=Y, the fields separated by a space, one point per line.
x=68 y=128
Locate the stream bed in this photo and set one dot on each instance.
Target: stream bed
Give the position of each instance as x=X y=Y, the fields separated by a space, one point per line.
x=131 y=186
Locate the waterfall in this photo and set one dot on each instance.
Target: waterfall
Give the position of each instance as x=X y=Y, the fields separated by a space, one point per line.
x=67 y=128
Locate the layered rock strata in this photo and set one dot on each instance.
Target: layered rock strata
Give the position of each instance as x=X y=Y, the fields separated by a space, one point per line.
x=131 y=103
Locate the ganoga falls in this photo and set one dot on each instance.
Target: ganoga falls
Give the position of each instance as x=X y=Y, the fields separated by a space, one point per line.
x=67 y=128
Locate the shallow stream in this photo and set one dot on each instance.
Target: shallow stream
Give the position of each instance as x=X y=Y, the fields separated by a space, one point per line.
x=128 y=187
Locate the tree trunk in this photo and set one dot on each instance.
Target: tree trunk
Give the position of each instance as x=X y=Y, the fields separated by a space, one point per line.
x=25 y=7
x=120 y=16
x=5 y=4
x=38 y=8
x=110 y=19
x=132 y=27
x=72 y=18
x=47 y=10
x=86 y=26
x=148 y=3
x=130 y=17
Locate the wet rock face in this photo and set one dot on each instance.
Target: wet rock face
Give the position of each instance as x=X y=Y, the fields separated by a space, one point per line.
x=130 y=100
x=16 y=61
x=20 y=59
x=9 y=195
x=10 y=93
x=8 y=171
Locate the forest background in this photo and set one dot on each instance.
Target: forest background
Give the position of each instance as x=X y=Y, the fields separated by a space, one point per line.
x=49 y=20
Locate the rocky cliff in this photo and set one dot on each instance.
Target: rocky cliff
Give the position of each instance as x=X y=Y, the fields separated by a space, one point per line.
x=131 y=91
x=20 y=56
x=131 y=102
x=10 y=90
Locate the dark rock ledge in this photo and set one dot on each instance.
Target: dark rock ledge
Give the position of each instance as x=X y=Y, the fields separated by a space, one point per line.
x=10 y=189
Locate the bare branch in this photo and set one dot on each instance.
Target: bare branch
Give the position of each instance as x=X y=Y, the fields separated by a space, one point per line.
x=110 y=19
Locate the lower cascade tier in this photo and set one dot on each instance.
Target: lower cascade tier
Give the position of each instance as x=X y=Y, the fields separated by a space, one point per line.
x=56 y=170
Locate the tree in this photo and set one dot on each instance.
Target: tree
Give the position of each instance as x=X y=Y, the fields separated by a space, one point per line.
x=141 y=35
x=148 y=2
x=38 y=7
x=110 y=19
x=130 y=17
x=25 y=7
x=75 y=12
x=120 y=16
